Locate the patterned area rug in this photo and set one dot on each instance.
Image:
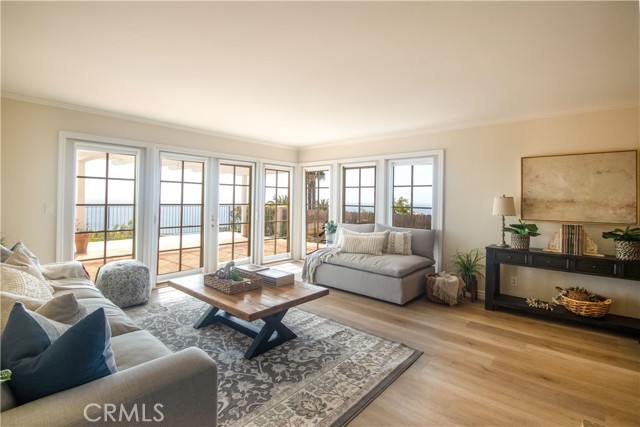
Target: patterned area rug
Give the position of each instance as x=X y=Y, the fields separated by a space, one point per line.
x=322 y=378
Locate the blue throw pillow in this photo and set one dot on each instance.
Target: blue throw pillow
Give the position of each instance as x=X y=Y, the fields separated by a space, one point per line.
x=46 y=360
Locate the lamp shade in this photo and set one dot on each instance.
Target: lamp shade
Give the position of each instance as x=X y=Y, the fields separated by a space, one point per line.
x=504 y=205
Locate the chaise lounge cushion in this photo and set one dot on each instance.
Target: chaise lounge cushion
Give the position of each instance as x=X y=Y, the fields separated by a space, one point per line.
x=422 y=241
x=388 y=265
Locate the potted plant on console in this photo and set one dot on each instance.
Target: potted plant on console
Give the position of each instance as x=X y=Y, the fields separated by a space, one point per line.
x=521 y=234
x=469 y=266
x=627 y=242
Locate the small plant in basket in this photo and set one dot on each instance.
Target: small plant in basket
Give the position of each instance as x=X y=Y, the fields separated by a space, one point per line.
x=521 y=234
x=627 y=242
x=469 y=266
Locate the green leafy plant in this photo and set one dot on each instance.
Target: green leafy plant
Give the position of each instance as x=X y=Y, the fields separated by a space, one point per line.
x=5 y=375
x=235 y=275
x=627 y=235
x=330 y=227
x=401 y=205
x=522 y=228
x=468 y=264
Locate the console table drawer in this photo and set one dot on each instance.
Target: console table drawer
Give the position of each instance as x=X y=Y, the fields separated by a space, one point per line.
x=595 y=266
x=631 y=270
x=511 y=257
x=546 y=261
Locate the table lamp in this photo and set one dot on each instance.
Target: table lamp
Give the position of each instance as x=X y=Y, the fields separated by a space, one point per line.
x=503 y=206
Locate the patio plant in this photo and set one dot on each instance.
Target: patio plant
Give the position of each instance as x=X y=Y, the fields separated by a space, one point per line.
x=521 y=234
x=627 y=242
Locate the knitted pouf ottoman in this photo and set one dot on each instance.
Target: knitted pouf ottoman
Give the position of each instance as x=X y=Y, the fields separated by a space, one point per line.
x=125 y=283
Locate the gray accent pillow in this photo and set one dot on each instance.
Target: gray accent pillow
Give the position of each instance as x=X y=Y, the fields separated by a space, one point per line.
x=422 y=241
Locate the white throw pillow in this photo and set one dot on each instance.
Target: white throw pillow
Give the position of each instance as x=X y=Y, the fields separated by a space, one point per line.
x=342 y=232
x=363 y=244
x=16 y=281
x=21 y=258
x=399 y=243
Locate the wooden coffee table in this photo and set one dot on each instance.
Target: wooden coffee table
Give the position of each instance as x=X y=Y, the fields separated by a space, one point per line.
x=269 y=303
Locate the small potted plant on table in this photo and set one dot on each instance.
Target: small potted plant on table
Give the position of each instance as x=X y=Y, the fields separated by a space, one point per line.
x=330 y=228
x=521 y=234
x=469 y=266
x=627 y=242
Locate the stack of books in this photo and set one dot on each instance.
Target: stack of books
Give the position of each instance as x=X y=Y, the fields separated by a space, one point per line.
x=275 y=277
x=572 y=239
x=251 y=268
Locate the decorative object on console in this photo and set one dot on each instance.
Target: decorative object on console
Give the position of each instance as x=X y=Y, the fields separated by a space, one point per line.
x=584 y=303
x=627 y=242
x=503 y=206
x=536 y=303
x=589 y=248
x=590 y=187
x=521 y=234
x=469 y=266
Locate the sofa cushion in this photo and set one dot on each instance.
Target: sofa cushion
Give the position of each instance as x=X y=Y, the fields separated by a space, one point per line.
x=355 y=228
x=137 y=347
x=23 y=248
x=399 y=242
x=21 y=260
x=4 y=253
x=422 y=241
x=362 y=244
x=386 y=265
x=8 y=300
x=16 y=281
x=44 y=362
x=64 y=309
x=119 y=322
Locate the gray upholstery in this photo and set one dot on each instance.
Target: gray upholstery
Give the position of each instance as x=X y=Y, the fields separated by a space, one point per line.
x=387 y=265
x=422 y=241
x=125 y=283
x=185 y=383
x=389 y=277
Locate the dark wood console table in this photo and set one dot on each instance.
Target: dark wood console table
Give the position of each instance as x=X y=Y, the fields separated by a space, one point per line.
x=607 y=266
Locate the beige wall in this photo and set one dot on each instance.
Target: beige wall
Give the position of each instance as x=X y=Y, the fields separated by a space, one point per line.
x=30 y=134
x=480 y=163
x=484 y=162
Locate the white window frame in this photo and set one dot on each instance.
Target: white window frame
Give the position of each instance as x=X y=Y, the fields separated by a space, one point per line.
x=263 y=201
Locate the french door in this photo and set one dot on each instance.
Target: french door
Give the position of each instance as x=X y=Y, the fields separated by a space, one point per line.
x=235 y=190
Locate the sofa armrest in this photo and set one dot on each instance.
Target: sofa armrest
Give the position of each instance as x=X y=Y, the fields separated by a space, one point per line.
x=179 y=389
x=64 y=270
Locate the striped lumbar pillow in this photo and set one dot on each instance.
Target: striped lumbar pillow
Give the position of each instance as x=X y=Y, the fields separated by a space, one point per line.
x=363 y=244
x=399 y=243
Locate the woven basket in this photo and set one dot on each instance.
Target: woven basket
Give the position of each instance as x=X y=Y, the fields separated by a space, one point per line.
x=255 y=279
x=575 y=302
x=519 y=241
x=229 y=286
x=431 y=281
x=627 y=251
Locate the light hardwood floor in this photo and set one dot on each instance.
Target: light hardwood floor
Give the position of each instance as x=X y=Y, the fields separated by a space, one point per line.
x=484 y=368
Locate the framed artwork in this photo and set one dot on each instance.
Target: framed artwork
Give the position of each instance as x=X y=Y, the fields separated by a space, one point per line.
x=587 y=188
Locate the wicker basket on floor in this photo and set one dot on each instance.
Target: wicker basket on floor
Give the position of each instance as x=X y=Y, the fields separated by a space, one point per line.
x=230 y=286
x=579 y=303
x=431 y=281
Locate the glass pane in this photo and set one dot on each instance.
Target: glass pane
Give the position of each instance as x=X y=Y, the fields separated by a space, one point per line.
x=191 y=237
x=367 y=197
x=243 y=175
x=193 y=171
x=169 y=239
x=122 y=166
x=323 y=196
x=121 y=192
x=225 y=214
x=269 y=247
x=120 y=217
x=226 y=174
x=350 y=215
x=282 y=246
x=169 y=262
x=90 y=191
x=119 y=243
x=270 y=179
x=89 y=218
x=282 y=213
x=191 y=215
x=269 y=195
x=352 y=177
x=226 y=194
x=241 y=213
x=89 y=245
x=269 y=212
x=169 y=216
x=170 y=193
x=423 y=175
x=92 y=163
x=283 y=179
x=240 y=250
x=422 y=196
x=242 y=195
x=402 y=196
x=368 y=177
x=352 y=196
x=282 y=228
x=224 y=253
x=191 y=259
x=283 y=196
x=402 y=175
x=171 y=170
x=324 y=179
x=269 y=229
x=367 y=215
x=192 y=194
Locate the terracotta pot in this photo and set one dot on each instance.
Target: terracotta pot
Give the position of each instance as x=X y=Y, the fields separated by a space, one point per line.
x=82 y=242
x=519 y=241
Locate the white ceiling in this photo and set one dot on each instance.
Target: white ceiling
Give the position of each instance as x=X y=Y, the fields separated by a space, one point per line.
x=307 y=73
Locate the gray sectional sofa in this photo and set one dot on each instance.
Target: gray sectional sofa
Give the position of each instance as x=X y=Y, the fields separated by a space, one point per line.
x=389 y=277
x=149 y=374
